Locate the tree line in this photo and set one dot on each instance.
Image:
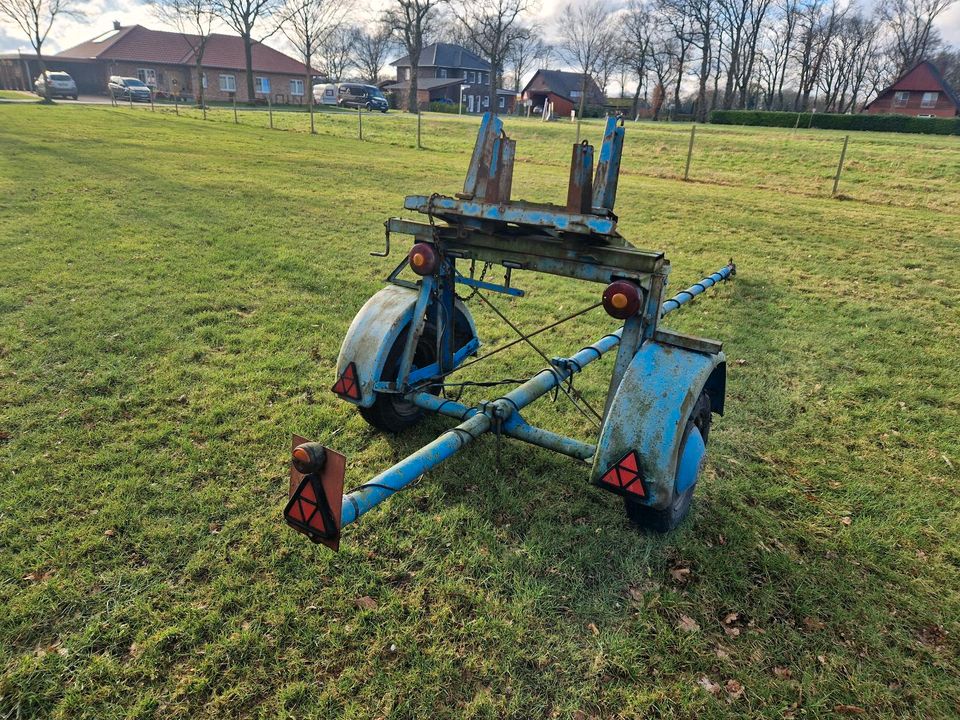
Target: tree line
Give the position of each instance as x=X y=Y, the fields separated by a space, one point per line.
x=682 y=56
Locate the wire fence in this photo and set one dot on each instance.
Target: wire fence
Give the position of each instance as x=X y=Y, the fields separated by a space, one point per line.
x=902 y=170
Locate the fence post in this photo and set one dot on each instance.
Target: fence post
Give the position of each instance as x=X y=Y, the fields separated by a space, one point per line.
x=176 y=103
x=419 y=146
x=686 y=171
x=152 y=108
x=235 y=120
x=270 y=110
x=843 y=154
x=360 y=121
x=130 y=97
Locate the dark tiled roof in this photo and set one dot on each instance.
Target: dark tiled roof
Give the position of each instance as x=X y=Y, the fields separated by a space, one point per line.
x=446 y=55
x=564 y=83
x=139 y=44
x=425 y=83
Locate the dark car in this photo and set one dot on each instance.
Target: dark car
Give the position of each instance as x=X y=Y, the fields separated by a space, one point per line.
x=125 y=88
x=365 y=96
x=54 y=83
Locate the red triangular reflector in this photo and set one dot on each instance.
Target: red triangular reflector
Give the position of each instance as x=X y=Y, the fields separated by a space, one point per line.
x=316 y=522
x=629 y=462
x=625 y=475
x=296 y=512
x=347 y=385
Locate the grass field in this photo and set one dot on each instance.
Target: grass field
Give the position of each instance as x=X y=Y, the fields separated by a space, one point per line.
x=173 y=293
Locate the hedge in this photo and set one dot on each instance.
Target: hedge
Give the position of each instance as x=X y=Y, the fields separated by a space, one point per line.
x=443 y=107
x=831 y=121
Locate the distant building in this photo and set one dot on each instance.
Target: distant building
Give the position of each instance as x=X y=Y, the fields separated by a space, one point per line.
x=443 y=72
x=165 y=61
x=562 y=89
x=921 y=91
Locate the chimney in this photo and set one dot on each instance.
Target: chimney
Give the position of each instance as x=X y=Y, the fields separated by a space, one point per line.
x=116 y=25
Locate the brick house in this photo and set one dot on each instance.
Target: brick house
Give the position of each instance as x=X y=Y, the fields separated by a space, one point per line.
x=921 y=91
x=443 y=69
x=562 y=89
x=165 y=61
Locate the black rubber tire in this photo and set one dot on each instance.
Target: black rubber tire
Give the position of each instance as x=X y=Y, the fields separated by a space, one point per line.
x=369 y=107
x=666 y=519
x=389 y=412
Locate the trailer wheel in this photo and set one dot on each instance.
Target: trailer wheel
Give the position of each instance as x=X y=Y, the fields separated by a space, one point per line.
x=666 y=519
x=389 y=412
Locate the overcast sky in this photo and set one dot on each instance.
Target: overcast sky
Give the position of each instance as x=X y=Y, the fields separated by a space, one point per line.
x=100 y=14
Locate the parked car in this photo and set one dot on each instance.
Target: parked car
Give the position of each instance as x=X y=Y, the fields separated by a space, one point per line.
x=365 y=96
x=126 y=88
x=54 y=83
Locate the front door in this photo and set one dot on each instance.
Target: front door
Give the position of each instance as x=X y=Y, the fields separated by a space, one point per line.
x=469 y=103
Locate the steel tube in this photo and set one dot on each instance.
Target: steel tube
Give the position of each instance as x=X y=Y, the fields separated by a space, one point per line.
x=517 y=427
x=685 y=296
x=375 y=491
x=514 y=426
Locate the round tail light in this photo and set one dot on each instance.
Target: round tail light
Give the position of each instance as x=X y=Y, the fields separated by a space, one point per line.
x=309 y=457
x=423 y=259
x=621 y=299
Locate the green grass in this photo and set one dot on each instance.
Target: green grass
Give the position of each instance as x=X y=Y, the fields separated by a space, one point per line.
x=173 y=293
x=17 y=95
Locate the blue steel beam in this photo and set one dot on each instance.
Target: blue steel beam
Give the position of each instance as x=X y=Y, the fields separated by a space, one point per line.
x=685 y=296
x=514 y=426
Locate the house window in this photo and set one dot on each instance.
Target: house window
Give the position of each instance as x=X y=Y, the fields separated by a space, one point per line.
x=473 y=76
x=228 y=83
x=929 y=99
x=501 y=102
x=901 y=98
x=296 y=88
x=486 y=101
x=148 y=76
x=442 y=72
x=203 y=80
x=261 y=85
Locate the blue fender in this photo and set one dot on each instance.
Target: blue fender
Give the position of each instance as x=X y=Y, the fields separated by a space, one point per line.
x=373 y=332
x=648 y=416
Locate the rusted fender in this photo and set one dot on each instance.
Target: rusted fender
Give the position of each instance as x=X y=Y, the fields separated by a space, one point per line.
x=650 y=410
x=375 y=329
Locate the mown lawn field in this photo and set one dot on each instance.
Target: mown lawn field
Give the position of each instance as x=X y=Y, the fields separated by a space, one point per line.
x=173 y=293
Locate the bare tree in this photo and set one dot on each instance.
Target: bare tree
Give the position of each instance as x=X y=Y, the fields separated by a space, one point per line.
x=244 y=16
x=525 y=54
x=495 y=25
x=948 y=62
x=817 y=22
x=35 y=19
x=337 y=52
x=638 y=28
x=663 y=64
x=371 y=50
x=412 y=22
x=586 y=34
x=911 y=24
x=307 y=24
x=194 y=21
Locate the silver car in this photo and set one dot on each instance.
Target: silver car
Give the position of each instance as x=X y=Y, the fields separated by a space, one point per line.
x=54 y=83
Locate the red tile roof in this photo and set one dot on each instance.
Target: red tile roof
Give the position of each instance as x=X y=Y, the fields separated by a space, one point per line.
x=136 y=43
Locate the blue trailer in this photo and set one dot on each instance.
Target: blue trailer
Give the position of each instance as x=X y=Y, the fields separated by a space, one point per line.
x=409 y=339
